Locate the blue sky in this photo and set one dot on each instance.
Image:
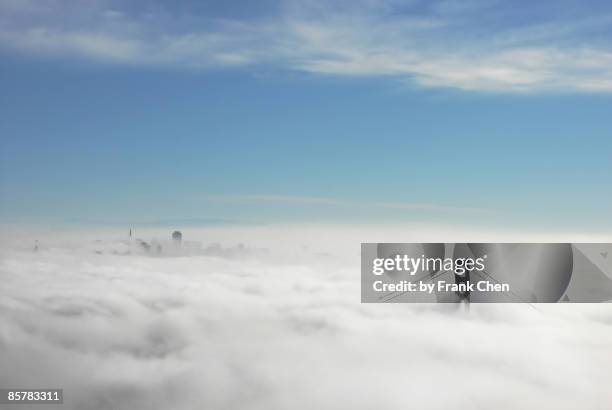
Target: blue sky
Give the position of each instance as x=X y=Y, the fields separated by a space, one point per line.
x=472 y=112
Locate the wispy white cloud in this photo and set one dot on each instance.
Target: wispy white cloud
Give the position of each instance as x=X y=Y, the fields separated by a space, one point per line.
x=308 y=200
x=286 y=199
x=431 y=207
x=447 y=47
x=86 y=44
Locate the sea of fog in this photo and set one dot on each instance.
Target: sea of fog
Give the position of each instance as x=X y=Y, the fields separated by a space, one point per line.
x=269 y=317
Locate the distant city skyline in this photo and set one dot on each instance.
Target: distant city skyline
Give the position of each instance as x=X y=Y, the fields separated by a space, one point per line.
x=475 y=112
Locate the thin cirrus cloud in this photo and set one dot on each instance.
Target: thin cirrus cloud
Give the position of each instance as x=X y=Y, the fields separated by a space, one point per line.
x=330 y=201
x=453 y=45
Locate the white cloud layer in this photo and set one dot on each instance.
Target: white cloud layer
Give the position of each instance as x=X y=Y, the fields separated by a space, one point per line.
x=453 y=45
x=276 y=330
